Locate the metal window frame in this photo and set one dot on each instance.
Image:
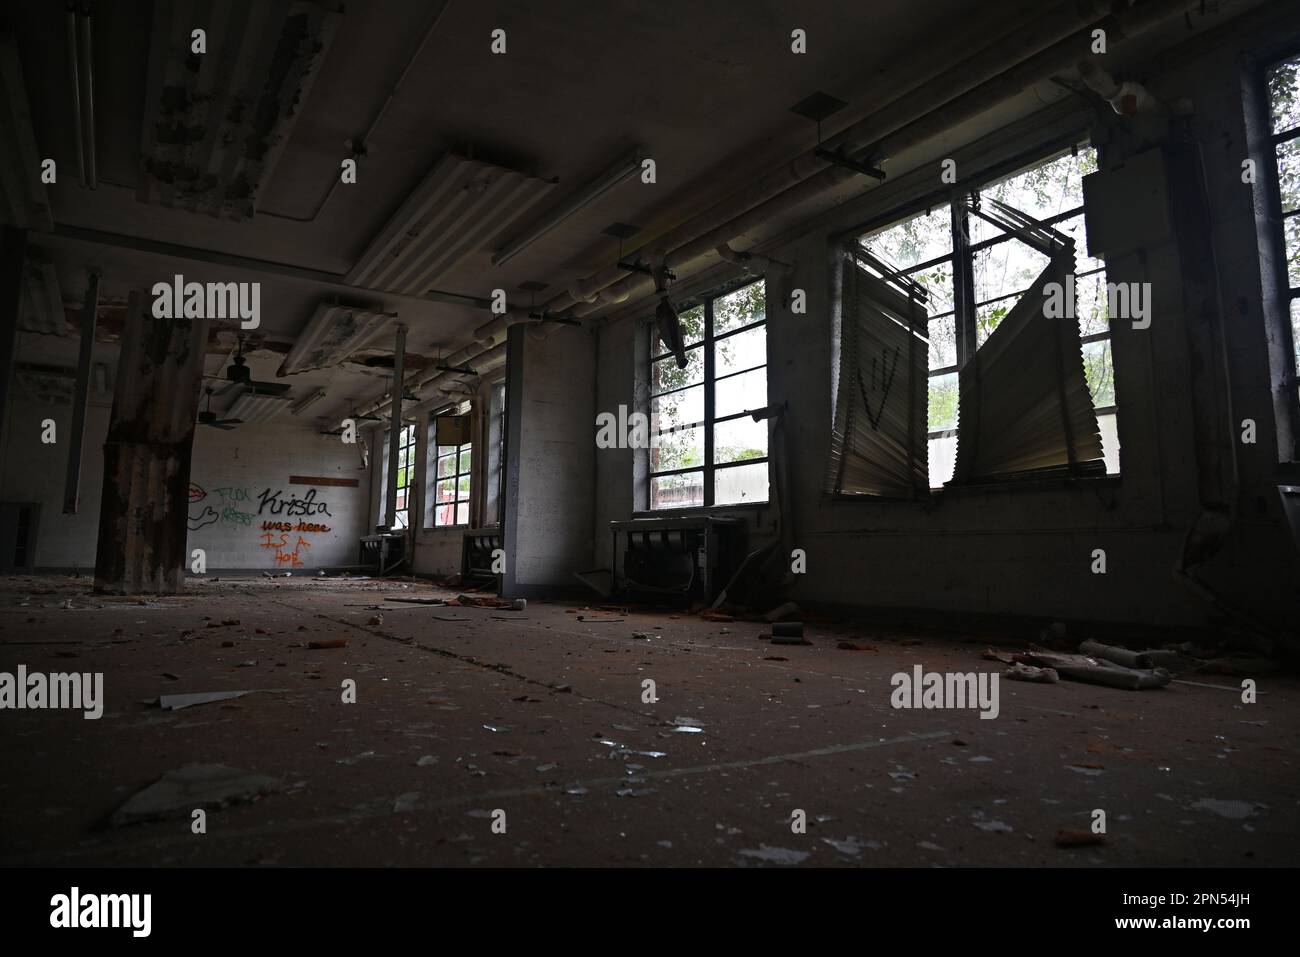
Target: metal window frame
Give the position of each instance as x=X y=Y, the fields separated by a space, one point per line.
x=709 y=469
x=1287 y=294
x=457 y=502
x=962 y=259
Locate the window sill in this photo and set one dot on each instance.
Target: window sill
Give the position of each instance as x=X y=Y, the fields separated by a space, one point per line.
x=703 y=510
x=1051 y=483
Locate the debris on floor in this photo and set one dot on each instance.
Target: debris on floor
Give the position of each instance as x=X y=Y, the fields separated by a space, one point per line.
x=321 y=643
x=1092 y=671
x=175 y=702
x=1070 y=838
x=781 y=612
x=1019 y=672
x=179 y=792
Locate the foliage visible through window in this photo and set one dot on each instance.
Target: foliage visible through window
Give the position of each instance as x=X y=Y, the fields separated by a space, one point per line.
x=710 y=451
x=451 y=485
x=1284 y=104
x=405 y=473
x=932 y=249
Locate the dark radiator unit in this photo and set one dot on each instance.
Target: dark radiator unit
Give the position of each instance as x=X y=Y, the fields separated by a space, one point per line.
x=476 y=559
x=684 y=560
x=383 y=554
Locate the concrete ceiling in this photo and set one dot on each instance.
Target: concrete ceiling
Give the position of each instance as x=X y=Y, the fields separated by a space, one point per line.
x=704 y=88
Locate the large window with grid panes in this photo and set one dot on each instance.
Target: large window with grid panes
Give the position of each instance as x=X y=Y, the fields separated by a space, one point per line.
x=405 y=476
x=1282 y=82
x=707 y=449
x=974 y=272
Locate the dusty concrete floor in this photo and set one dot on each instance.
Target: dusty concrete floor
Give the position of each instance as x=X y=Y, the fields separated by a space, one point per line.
x=543 y=718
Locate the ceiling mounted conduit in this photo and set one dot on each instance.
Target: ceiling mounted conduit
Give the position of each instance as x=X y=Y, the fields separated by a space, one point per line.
x=1046 y=45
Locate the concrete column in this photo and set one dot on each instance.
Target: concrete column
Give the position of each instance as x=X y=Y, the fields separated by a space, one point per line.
x=89 y=317
x=143 y=511
x=13 y=253
x=395 y=429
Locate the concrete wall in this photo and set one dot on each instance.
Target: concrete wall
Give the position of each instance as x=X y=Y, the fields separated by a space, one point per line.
x=240 y=480
x=246 y=514
x=1021 y=549
x=34 y=472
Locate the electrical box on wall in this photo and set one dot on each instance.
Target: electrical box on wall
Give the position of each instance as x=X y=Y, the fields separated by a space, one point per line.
x=1127 y=208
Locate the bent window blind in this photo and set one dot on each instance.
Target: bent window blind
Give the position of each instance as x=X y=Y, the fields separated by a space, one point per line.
x=879 y=438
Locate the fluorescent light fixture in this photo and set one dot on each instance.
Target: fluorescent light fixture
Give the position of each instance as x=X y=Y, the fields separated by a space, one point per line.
x=332 y=334
x=23 y=200
x=307 y=402
x=460 y=208
x=253 y=409
x=616 y=174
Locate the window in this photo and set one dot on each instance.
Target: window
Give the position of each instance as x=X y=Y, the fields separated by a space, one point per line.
x=405 y=473
x=496 y=439
x=452 y=460
x=975 y=271
x=1283 y=82
x=707 y=448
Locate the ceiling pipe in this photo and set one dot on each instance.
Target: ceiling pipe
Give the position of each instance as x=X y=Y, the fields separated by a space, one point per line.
x=75 y=83
x=620 y=171
x=86 y=74
x=1053 y=43
x=1032 y=37
x=901 y=104
x=1042 y=65
x=482 y=360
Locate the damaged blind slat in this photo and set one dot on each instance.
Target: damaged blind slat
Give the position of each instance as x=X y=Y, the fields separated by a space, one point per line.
x=879 y=441
x=1024 y=399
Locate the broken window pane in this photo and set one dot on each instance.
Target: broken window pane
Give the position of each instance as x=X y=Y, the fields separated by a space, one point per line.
x=1288 y=174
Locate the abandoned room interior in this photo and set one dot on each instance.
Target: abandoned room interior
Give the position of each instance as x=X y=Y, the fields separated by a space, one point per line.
x=520 y=434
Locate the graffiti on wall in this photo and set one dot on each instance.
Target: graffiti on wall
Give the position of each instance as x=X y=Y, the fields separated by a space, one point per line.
x=286 y=540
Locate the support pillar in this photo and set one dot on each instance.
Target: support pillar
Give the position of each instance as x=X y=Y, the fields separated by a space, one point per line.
x=143 y=512
x=89 y=322
x=395 y=430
